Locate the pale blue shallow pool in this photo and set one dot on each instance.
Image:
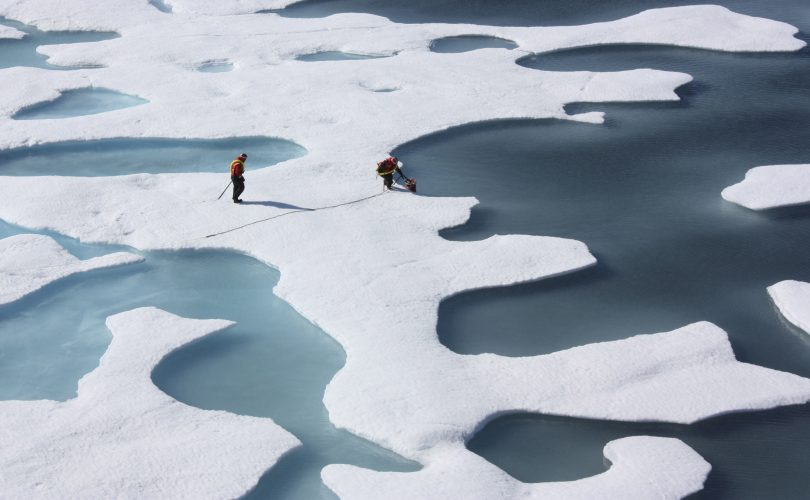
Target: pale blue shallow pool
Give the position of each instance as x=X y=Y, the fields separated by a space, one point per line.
x=147 y=155
x=23 y=52
x=273 y=363
x=79 y=102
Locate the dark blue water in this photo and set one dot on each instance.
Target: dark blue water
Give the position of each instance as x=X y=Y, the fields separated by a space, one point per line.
x=529 y=12
x=751 y=454
x=643 y=191
x=506 y=13
x=23 y=52
x=79 y=102
x=273 y=363
x=149 y=155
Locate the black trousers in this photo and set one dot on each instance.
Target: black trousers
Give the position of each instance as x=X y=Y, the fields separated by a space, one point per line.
x=238 y=186
x=388 y=180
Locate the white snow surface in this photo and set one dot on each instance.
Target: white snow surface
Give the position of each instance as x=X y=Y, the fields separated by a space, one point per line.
x=793 y=300
x=9 y=33
x=371 y=273
x=124 y=438
x=771 y=186
x=28 y=262
x=643 y=467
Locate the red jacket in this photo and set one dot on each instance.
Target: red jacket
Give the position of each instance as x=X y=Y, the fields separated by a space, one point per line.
x=387 y=167
x=237 y=168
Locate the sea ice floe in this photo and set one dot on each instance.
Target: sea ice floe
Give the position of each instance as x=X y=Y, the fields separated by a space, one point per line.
x=793 y=300
x=10 y=33
x=272 y=96
x=771 y=186
x=123 y=438
x=642 y=467
x=29 y=262
x=681 y=376
x=371 y=271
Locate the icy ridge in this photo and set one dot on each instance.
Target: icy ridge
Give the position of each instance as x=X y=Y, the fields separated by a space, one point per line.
x=771 y=186
x=121 y=437
x=793 y=300
x=29 y=262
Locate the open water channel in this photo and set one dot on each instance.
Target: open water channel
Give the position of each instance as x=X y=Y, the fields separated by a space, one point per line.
x=643 y=191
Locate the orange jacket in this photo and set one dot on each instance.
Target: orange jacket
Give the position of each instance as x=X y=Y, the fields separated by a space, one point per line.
x=237 y=168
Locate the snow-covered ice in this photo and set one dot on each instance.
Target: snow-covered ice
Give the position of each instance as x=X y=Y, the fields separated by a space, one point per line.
x=28 y=262
x=793 y=300
x=681 y=376
x=123 y=438
x=7 y=32
x=642 y=467
x=771 y=186
x=370 y=273
x=272 y=94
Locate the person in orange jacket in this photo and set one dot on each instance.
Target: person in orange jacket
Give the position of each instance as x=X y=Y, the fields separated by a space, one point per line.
x=237 y=176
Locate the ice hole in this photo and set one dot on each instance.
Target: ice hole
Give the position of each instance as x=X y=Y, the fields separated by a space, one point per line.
x=215 y=67
x=338 y=56
x=162 y=6
x=382 y=88
x=467 y=43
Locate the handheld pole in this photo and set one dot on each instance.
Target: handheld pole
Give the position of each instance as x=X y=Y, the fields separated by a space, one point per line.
x=226 y=188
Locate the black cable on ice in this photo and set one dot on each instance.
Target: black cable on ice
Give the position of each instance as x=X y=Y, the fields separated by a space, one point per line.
x=294 y=212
